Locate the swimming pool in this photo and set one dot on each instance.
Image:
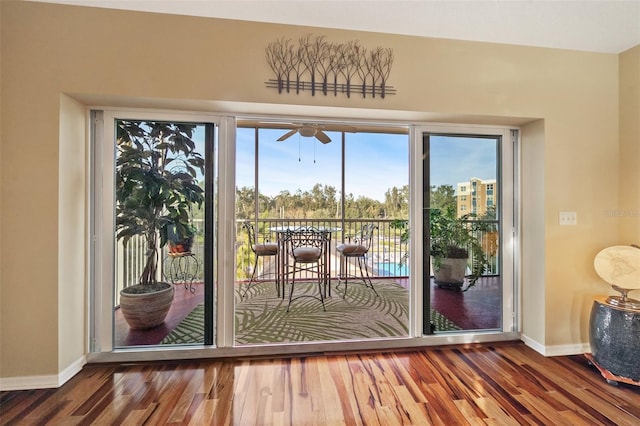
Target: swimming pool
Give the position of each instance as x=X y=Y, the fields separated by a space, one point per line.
x=390 y=269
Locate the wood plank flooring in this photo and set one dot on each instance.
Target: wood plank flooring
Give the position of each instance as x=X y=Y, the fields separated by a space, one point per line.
x=499 y=384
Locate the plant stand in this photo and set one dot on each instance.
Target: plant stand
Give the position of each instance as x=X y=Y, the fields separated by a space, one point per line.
x=182 y=269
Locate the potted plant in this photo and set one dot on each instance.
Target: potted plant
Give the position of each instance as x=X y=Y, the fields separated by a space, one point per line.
x=452 y=240
x=156 y=186
x=181 y=244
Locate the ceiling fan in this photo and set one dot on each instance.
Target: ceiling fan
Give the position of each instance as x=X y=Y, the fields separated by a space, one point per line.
x=316 y=130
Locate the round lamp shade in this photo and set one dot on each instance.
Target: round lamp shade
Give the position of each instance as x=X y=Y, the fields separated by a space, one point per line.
x=619 y=266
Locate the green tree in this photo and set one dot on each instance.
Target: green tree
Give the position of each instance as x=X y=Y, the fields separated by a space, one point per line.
x=443 y=197
x=396 y=202
x=322 y=202
x=245 y=197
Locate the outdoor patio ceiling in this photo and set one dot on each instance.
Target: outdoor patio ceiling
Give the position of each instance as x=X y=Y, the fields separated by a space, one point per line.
x=290 y=124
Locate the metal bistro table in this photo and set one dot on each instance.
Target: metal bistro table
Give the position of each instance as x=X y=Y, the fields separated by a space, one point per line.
x=281 y=232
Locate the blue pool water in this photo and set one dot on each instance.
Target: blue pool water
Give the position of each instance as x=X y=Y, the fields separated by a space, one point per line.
x=389 y=269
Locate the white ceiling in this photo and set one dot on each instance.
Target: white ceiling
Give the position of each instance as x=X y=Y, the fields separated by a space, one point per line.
x=607 y=26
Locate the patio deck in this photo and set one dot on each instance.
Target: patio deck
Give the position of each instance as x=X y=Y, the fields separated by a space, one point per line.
x=476 y=309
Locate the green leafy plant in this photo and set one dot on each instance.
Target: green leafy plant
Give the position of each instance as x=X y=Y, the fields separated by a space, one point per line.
x=452 y=237
x=157 y=167
x=456 y=237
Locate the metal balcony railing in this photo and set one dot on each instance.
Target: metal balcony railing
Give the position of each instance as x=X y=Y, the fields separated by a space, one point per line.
x=386 y=257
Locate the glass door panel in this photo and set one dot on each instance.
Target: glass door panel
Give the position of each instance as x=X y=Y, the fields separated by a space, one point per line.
x=463 y=276
x=337 y=186
x=282 y=185
x=163 y=233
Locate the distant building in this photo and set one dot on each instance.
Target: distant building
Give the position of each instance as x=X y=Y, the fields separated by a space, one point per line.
x=476 y=196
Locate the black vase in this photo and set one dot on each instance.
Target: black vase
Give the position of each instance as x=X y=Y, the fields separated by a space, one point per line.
x=615 y=339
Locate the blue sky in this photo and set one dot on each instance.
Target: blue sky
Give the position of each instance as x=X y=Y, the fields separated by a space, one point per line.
x=457 y=159
x=375 y=162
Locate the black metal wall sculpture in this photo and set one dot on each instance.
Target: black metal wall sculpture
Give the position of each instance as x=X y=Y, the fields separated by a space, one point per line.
x=332 y=68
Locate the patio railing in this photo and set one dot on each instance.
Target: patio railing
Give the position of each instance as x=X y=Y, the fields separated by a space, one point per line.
x=386 y=256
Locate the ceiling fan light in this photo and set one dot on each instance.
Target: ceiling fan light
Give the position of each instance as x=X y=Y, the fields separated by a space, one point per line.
x=307 y=131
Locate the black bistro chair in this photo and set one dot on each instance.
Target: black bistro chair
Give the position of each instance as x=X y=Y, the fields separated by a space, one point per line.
x=262 y=250
x=356 y=248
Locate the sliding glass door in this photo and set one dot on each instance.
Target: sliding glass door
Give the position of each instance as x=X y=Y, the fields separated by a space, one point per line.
x=402 y=184
x=468 y=225
x=157 y=229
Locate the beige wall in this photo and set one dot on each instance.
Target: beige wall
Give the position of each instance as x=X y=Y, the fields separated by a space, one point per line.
x=629 y=207
x=109 y=56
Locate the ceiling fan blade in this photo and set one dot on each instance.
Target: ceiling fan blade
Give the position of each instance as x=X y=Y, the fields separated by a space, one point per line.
x=287 y=135
x=322 y=136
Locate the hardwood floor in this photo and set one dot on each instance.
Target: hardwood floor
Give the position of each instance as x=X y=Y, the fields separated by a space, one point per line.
x=503 y=384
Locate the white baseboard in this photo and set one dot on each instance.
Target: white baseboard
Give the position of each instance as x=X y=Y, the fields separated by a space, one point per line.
x=533 y=344
x=75 y=367
x=556 y=350
x=42 y=382
x=563 y=350
x=28 y=382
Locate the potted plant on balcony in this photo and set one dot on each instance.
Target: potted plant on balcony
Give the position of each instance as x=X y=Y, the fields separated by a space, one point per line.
x=156 y=186
x=453 y=239
x=181 y=244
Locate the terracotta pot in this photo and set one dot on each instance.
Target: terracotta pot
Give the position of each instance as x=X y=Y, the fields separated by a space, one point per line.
x=146 y=310
x=183 y=246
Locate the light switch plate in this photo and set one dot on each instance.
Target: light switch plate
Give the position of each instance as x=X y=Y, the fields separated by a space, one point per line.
x=568 y=218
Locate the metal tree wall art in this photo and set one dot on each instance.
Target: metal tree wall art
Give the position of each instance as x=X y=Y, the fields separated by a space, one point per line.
x=331 y=68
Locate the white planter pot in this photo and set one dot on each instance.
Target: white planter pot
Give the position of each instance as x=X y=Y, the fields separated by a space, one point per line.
x=450 y=273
